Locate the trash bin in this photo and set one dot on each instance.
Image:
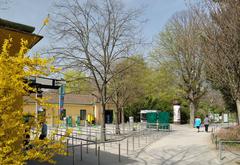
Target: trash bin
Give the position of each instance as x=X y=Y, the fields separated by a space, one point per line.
x=78 y=121
x=69 y=121
x=131 y=119
x=131 y=122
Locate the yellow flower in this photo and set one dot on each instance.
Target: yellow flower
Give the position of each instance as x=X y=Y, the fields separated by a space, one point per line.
x=46 y=20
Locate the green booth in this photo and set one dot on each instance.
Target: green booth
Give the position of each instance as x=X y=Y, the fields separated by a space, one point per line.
x=158 y=120
x=163 y=120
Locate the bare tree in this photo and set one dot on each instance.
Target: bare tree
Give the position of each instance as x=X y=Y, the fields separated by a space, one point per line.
x=180 y=41
x=4 y=4
x=94 y=36
x=222 y=46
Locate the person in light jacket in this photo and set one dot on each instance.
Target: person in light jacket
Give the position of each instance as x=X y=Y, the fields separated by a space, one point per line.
x=197 y=122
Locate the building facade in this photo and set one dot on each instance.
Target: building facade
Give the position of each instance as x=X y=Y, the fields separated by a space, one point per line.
x=75 y=106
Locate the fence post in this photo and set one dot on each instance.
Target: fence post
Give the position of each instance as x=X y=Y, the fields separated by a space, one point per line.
x=96 y=146
x=119 y=152
x=133 y=142
x=220 y=150
x=73 y=149
x=127 y=145
x=111 y=139
x=139 y=139
x=72 y=140
x=87 y=146
x=90 y=131
x=81 y=151
x=67 y=146
x=98 y=155
x=216 y=142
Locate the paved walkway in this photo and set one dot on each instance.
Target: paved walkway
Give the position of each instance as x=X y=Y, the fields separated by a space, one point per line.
x=183 y=146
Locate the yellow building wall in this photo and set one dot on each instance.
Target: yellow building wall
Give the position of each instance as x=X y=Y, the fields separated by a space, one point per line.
x=52 y=112
x=99 y=111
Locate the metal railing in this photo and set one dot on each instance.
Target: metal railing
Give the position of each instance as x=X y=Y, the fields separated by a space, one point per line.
x=219 y=143
x=221 y=148
x=131 y=141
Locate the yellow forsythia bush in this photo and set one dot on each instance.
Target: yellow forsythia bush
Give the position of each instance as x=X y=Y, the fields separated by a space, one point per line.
x=13 y=86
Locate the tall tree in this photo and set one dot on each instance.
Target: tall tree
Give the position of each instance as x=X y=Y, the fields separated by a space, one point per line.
x=94 y=36
x=180 y=42
x=77 y=82
x=124 y=88
x=222 y=46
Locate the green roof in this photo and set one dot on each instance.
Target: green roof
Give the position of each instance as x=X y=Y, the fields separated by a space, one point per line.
x=17 y=26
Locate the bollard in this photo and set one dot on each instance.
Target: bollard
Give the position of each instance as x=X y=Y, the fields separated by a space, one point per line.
x=146 y=138
x=119 y=153
x=104 y=146
x=96 y=146
x=127 y=146
x=81 y=151
x=98 y=155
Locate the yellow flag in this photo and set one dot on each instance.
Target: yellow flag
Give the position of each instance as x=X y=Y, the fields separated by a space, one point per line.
x=46 y=20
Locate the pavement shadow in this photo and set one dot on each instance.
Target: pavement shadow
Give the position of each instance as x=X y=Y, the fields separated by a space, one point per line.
x=184 y=155
x=90 y=158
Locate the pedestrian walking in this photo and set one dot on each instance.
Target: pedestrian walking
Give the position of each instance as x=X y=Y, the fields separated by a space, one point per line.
x=43 y=134
x=206 y=123
x=198 y=122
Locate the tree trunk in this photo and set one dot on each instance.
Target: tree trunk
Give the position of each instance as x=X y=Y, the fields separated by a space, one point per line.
x=103 y=127
x=117 y=121
x=238 y=111
x=122 y=110
x=122 y=115
x=192 y=108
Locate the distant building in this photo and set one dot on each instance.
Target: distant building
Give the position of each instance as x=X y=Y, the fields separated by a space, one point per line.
x=76 y=105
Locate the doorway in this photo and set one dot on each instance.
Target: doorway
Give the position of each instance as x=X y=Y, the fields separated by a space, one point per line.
x=108 y=116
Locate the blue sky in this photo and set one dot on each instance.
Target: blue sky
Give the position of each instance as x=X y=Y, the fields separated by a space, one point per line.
x=33 y=12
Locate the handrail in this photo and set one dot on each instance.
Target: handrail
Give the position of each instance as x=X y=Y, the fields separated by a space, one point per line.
x=221 y=148
x=101 y=142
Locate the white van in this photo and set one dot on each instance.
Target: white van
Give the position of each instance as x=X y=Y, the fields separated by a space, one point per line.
x=143 y=115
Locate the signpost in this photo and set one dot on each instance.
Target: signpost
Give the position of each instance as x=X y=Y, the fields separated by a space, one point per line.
x=61 y=100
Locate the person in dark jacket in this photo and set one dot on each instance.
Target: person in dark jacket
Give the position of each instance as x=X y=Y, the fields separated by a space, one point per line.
x=206 y=123
x=43 y=134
